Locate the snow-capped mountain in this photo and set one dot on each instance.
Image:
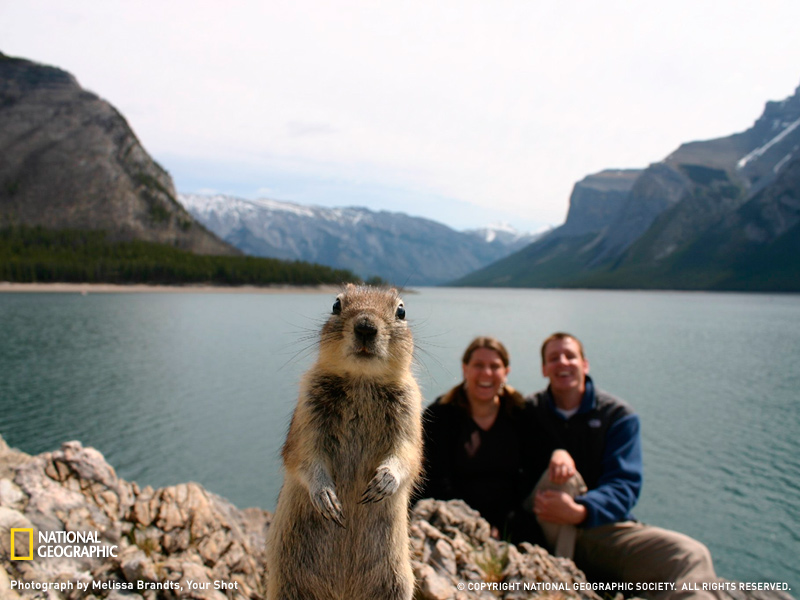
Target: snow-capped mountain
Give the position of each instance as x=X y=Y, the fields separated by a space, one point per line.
x=503 y=234
x=755 y=156
x=719 y=214
x=398 y=248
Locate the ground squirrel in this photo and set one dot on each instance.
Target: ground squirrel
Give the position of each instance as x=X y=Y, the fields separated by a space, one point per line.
x=351 y=458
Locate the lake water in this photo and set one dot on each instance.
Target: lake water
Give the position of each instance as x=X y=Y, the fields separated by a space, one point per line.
x=200 y=387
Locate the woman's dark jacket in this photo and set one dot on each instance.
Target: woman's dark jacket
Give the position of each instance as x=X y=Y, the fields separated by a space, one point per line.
x=486 y=469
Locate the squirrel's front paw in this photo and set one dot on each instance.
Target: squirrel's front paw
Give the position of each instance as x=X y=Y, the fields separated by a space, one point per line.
x=382 y=485
x=328 y=505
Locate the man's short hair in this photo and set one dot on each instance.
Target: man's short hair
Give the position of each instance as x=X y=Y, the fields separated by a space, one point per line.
x=560 y=335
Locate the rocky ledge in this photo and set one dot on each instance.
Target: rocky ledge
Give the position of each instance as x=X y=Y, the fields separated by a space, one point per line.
x=185 y=542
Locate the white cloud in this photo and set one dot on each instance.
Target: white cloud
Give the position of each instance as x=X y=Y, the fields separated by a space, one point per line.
x=503 y=105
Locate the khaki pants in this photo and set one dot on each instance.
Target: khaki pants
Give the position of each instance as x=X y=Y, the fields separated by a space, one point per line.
x=633 y=552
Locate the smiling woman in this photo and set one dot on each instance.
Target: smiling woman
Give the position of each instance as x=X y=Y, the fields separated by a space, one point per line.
x=473 y=442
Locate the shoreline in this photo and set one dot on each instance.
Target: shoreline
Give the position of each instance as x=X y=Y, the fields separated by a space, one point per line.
x=85 y=289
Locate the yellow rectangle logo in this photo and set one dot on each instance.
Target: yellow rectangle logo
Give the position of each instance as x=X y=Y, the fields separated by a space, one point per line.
x=30 y=543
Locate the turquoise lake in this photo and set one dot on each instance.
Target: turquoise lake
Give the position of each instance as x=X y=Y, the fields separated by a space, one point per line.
x=200 y=387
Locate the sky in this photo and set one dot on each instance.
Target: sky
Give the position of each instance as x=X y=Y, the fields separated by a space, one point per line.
x=465 y=112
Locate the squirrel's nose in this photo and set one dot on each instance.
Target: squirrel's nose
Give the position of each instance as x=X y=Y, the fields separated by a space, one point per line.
x=365 y=331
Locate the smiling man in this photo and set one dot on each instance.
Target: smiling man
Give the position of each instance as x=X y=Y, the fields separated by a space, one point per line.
x=589 y=447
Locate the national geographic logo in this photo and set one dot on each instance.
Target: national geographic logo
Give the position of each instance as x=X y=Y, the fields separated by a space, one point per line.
x=14 y=545
x=57 y=544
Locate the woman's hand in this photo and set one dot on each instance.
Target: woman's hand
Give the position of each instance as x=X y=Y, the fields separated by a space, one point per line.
x=561 y=467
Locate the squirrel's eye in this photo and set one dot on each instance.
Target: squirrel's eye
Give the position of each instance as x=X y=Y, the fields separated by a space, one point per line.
x=337 y=307
x=401 y=311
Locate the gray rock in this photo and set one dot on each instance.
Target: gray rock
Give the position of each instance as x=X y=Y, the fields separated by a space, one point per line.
x=176 y=534
x=451 y=543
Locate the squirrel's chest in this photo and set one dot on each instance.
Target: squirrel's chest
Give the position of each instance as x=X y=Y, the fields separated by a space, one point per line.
x=358 y=428
x=354 y=410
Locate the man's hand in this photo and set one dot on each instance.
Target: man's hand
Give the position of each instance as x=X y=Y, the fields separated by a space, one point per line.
x=559 y=508
x=561 y=467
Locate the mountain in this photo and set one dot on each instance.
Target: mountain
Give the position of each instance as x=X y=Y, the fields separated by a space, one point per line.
x=596 y=200
x=71 y=161
x=398 y=248
x=717 y=214
x=755 y=247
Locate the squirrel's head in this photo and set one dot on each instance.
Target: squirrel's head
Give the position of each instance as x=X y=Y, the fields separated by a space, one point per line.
x=367 y=333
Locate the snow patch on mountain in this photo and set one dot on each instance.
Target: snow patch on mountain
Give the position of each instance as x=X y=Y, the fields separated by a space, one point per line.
x=758 y=152
x=503 y=233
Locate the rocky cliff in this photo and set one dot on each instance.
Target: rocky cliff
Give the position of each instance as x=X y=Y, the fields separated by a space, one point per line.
x=71 y=161
x=754 y=156
x=596 y=201
x=184 y=542
x=755 y=245
x=669 y=222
